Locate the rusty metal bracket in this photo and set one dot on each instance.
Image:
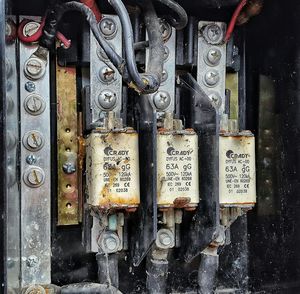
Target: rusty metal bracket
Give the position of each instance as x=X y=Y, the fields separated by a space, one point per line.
x=67 y=140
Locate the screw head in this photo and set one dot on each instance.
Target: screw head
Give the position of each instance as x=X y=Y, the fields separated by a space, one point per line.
x=108 y=27
x=34 y=104
x=30 y=86
x=31 y=159
x=33 y=140
x=213 y=33
x=211 y=78
x=107 y=99
x=36 y=289
x=69 y=168
x=32 y=261
x=34 y=68
x=107 y=74
x=215 y=99
x=34 y=177
x=30 y=28
x=213 y=56
x=161 y=100
x=166 y=30
x=165 y=239
x=109 y=242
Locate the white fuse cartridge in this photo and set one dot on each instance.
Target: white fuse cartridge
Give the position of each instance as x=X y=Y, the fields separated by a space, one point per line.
x=112 y=166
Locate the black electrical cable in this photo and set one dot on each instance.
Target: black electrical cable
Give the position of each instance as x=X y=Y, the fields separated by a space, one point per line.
x=156 y=44
x=149 y=81
x=182 y=19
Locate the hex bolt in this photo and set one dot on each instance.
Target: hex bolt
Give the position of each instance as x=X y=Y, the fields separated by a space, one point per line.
x=34 y=177
x=214 y=56
x=32 y=261
x=161 y=100
x=107 y=75
x=165 y=239
x=213 y=33
x=69 y=168
x=33 y=140
x=34 y=104
x=107 y=99
x=211 y=78
x=30 y=86
x=108 y=27
x=30 y=28
x=34 y=68
x=31 y=159
x=109 y=242
x=165 y=29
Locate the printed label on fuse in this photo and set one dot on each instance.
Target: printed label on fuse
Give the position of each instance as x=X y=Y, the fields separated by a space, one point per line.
x=177 y=166
x=113 y=169
x=237 y=170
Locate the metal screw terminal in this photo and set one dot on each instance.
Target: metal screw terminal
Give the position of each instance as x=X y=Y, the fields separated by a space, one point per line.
x=30 y=86
x=30 y=28
x=161 y=100
x=107 y=75
x=213 y=33
x=34 y=68
x=108 y=27
x=215 y=98
x=31 y=159
x=33 y=140
x=34 y=104
x=107 y=99
x=109 y=242
x=166 y=30
x=165 y=239
x=211 y=78
x=213 y=56
x=36 y=289
x=34 y=177
x=69 y=168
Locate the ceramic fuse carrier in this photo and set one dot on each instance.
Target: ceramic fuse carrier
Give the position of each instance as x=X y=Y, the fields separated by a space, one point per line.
x=113 y=169
x=177 y=166
x=237 y=169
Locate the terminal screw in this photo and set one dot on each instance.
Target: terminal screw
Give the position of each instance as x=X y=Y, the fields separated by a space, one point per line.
x=34 y=177
x=107 y=99
x=213 y=56
x=108 y=27
x=213 y=34
x=34 y=68
x=162 y=100
x=107 y=75
x=211 y=78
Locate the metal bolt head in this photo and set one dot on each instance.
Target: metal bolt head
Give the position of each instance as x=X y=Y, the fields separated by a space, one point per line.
x=109 y=242
x=161 y=100
x=69 y=168
x=107 y=75
x=34 y=104
x=34 y=177
x=108 y=27
x=30 y=28
x=34 y=68
x=215 y=99
x=165 y=239
x=32 y=261
x=166 y=30
x=30 y=86
x=213 y=56
x=31 y=159
x=33 y=140
x=107 y=99
x=211 y=78
x=213 y=33
x=35 y=289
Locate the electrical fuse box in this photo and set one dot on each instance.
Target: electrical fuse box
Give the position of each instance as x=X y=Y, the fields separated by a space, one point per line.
x=112 y=165
x=237 y=169
x=177 y=169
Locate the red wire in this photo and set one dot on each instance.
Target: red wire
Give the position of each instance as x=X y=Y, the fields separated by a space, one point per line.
x=93 y=6
x=36 y=36
x=234 y=19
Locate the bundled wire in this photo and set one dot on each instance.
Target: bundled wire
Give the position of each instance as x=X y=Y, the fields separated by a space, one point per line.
x=142 y=83
x=233 y=20
x=182 y=19
x=36 y=36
